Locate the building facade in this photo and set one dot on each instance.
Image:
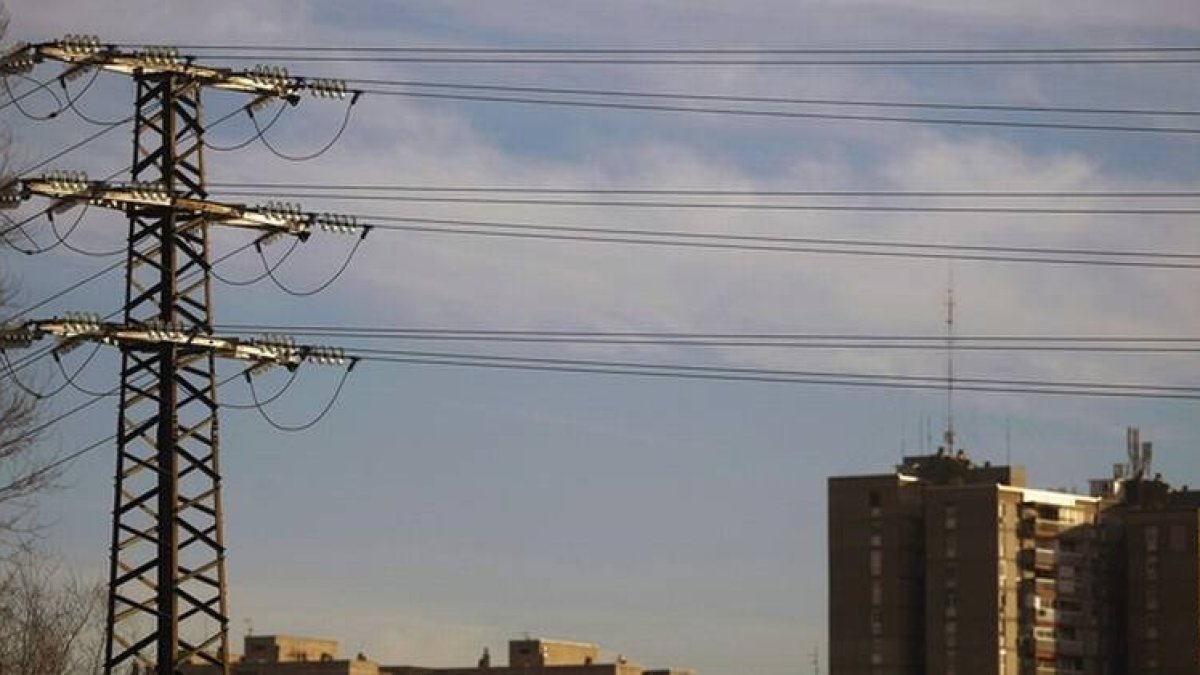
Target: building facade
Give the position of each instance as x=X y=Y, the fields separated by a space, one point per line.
x=946 y=567
x=290 y=655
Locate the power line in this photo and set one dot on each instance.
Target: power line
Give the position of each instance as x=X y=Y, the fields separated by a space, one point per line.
x=805 y=245
x=713 y=192
x=710 y=335
x=813 y=341
x=789 y=114
x=780 y=100
x=937 y=380
x=684 y=58
x=1092 y=49
x=407 y=197
x=680 y=371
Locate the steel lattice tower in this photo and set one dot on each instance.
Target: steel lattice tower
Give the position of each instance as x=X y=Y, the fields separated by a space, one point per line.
x=167 y=603
x=167 y=568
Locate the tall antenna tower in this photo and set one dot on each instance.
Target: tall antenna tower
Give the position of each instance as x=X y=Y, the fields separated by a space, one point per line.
x=167 y=599
x=948 y=437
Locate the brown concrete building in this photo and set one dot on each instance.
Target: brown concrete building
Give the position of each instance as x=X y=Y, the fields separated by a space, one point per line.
x=289 y=655
x=538 y=656
x=1162 y=529
x=948 y=567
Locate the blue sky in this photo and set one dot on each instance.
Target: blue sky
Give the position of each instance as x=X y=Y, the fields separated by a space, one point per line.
x=437 y=510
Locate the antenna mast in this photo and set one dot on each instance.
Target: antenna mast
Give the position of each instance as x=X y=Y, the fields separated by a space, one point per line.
x=949 y=435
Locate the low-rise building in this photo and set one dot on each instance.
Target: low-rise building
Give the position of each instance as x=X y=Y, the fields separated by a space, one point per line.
x=292 y=655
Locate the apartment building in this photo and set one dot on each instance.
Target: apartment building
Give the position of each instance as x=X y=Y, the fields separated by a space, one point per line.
x=945 y=566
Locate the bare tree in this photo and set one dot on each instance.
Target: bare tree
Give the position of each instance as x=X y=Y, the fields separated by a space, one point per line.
x=23 y=474
x=51 y=622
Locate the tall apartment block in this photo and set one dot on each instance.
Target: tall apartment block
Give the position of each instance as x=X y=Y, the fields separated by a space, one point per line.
x=948 y=567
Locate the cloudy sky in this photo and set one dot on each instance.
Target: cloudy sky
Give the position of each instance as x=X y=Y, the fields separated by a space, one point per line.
x=438 y=509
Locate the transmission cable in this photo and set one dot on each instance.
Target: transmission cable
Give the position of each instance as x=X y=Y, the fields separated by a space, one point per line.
x=681 y=58
x=16 y=102
x=261 y=134
x=789 y=114
x=71 y=379
x=253 y=137
x=62 y=238
x=1091 y=49
x=815 y=341
x=29 y=169
x=345 y=188
x=270 y=272
x=62 y=461
x=780 y=100
x=407 y=197
x=293 y=372
x=307 y=425
x=268 y=269
x=753 y=375
x=764 y=244
x=73 y=103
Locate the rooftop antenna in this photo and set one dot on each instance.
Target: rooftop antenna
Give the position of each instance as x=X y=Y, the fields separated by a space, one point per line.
x=1008 y=441
x=1140 y=454
x=949 y=435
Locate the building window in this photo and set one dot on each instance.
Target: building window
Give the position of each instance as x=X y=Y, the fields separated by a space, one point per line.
x=951 y=548
x=1178 y=538
x=876 y=592
x=876 y=621
x=876 y=563
x=876 y=539
x=951 y=517
x=1151 y=538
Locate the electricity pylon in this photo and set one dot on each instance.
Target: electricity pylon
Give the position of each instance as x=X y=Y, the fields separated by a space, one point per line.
x=167 y=599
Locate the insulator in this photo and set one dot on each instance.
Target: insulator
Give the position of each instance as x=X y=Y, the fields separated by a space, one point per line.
x=150 y=191
x=80 y=45
x=67 y=181
x=326 y=356
x=81 y=322
x=274 y=77
x=259 y=368
x=16 y=336
x=279 y=345
x=19 y=59
x=160 y=56
x=338 y=223
x=285 y=212
x=260 y=103
x=10 y=199
x=166 y=330
x=72 y=73
x=327 y=88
